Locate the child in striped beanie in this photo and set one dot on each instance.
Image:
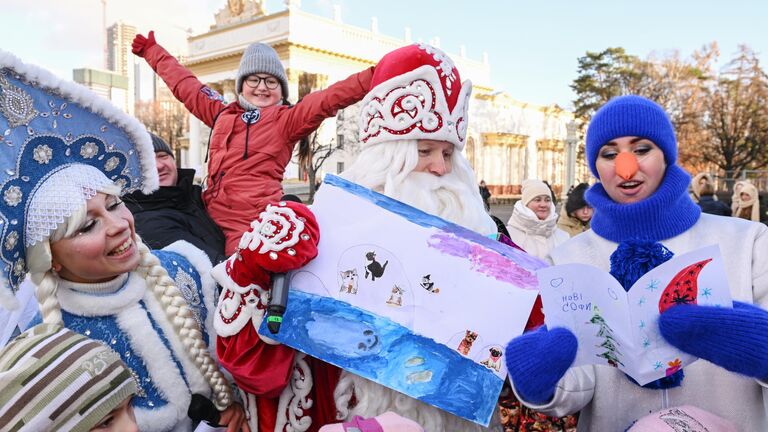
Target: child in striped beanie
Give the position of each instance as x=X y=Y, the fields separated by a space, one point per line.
x=55 y=379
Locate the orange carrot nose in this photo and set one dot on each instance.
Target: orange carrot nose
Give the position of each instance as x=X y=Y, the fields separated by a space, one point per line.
x=626 y=165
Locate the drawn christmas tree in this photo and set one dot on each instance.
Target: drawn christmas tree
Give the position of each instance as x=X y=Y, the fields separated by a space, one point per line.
x=609 y=344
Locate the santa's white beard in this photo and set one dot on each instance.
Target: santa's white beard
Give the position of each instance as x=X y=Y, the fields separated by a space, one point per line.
x=446 y=196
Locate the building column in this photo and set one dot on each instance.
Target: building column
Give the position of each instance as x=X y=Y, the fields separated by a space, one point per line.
x=196 y=152
x=571 y=141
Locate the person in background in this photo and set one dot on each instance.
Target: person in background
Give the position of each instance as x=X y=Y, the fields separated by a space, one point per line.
x=576 y=213
x=533 y=224
x=736 y=196
x=175 y=211
x=697 y=182
x=709 y=204
x=54 y=379
x=749 y=203
x=485 y=194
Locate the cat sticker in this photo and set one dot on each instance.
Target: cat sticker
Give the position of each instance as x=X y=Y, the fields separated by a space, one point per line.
x=373 y=267
x=396 y=298
x=429 y=285
x=348 y=281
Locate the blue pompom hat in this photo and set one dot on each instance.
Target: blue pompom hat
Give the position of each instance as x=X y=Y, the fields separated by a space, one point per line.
x=60 y=145
x=631 y=116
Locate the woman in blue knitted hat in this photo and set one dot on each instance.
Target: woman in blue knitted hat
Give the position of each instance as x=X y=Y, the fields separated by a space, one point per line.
x=644 y=216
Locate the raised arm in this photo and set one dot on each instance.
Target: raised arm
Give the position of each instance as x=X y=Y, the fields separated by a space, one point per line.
x=202 y=101
x=317 y=106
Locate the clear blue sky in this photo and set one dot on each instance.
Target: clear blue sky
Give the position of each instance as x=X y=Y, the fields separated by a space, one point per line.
x=532 y=46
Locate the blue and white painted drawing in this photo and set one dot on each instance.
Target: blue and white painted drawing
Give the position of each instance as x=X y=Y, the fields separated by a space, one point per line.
x=384 y=351
x=409 y=300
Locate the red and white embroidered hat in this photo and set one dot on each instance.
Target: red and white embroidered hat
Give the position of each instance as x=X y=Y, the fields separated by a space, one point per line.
x=416 y=93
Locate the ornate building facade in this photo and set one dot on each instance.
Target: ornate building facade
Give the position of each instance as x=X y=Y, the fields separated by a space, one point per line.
x=508 y=140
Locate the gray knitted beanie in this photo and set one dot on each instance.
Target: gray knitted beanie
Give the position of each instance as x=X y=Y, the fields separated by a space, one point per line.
x=261 y=58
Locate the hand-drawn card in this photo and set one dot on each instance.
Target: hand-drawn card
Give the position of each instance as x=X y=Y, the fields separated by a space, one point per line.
x=620 y=329
x=409 y=300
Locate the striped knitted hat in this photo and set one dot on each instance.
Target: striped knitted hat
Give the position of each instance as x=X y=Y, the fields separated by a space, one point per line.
x=55 y=379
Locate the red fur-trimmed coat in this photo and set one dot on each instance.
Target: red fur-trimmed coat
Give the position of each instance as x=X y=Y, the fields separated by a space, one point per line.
x=240 y=183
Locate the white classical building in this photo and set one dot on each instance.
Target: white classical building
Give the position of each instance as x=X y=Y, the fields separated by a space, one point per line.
x=508 y=140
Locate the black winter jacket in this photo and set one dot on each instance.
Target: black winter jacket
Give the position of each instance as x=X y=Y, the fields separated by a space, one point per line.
x=174 y=213
x=709 y=205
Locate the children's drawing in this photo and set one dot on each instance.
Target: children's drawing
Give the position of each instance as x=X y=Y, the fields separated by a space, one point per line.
x=348 y=281
x=367 y=305
x=373 y=268
x=396 y=298
x=493 y=361
x=466 y=344
x=617 y=327
x=683 y=288
x=609 y=348
x=429 y=285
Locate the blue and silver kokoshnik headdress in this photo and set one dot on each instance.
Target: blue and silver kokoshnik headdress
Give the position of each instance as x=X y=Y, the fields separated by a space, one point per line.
x=59 y=144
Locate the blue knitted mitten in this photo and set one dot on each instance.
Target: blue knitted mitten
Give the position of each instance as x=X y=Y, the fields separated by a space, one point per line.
x=537 y=360
x=735 y=339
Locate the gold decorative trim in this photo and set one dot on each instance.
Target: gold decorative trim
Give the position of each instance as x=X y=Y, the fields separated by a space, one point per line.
x=502 y=139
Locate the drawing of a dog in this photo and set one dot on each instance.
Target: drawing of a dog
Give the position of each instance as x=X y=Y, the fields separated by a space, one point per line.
x=494 y=359
x=396 y=298
x=466 y=343
x=349 y=281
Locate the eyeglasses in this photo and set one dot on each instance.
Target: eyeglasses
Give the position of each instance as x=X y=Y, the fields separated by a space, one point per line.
x=271 y=82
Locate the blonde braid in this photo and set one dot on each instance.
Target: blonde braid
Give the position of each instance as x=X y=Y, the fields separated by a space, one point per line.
x=185 y=325
x=46 y=285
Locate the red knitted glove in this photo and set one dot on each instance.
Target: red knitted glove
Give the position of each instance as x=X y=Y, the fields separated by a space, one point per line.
x=283 y=238
x=141 y=43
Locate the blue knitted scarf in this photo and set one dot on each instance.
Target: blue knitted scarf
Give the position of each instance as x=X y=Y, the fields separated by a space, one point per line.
x=666 y=213
x=639 y=227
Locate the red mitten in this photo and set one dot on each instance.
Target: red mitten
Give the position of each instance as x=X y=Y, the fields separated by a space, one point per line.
x=141 y=43
x=283 y=238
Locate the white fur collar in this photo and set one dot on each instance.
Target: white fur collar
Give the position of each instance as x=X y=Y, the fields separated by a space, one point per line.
x=91 y=304
x=135 y=324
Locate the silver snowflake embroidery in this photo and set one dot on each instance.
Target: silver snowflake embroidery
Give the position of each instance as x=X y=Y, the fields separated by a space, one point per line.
x=16 y=105
x=89 y=150
x=11 y=240
x=12 y=196
x=42 y=154
x=111 y=163
x=187 y=286
x=18 y=267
